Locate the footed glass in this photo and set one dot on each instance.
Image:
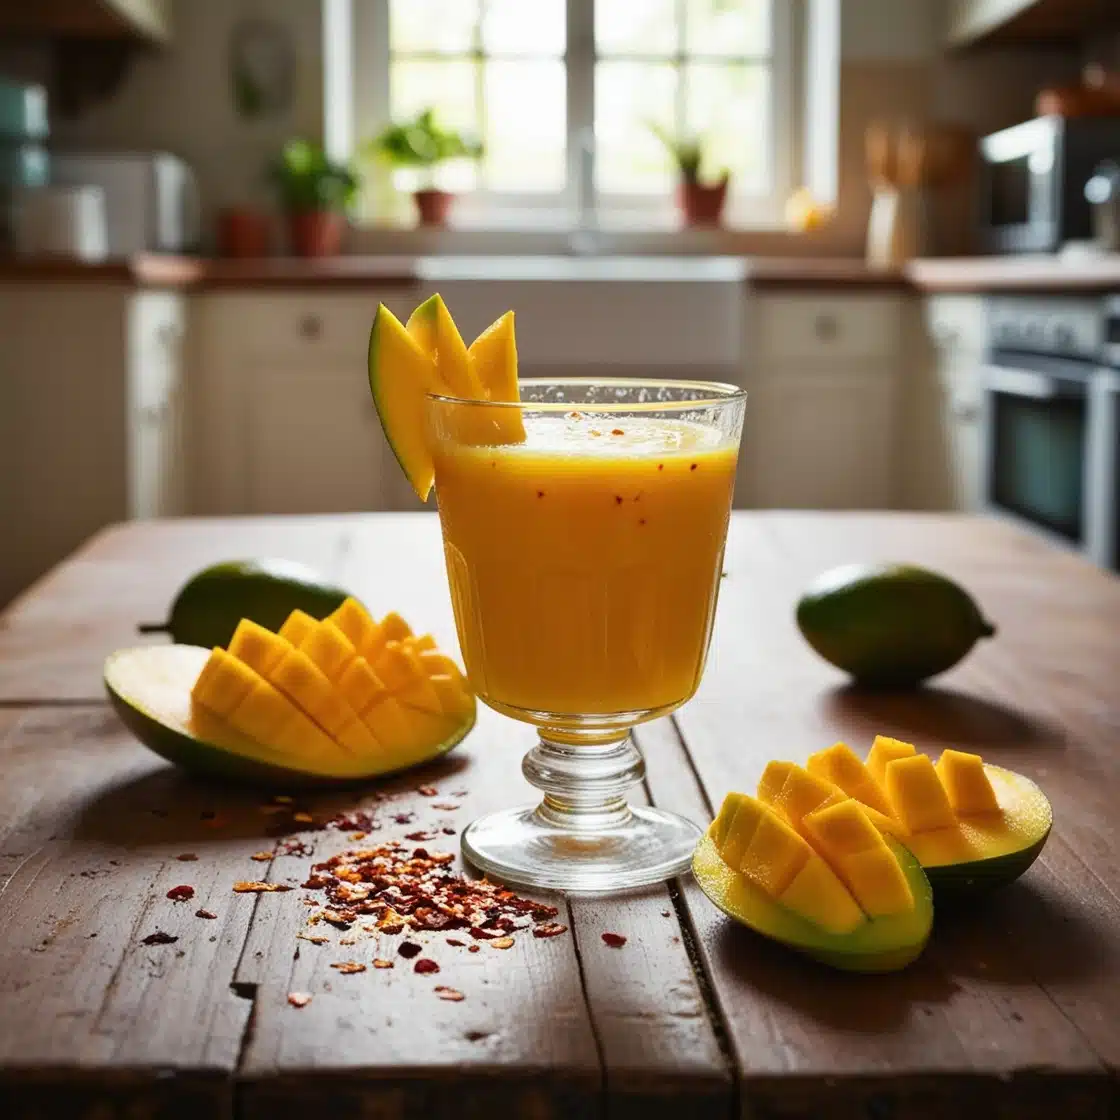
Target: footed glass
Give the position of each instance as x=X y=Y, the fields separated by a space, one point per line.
x=584 y=530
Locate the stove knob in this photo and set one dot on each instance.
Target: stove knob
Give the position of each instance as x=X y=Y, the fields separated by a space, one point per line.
x=1064 y=337
x=1033 y=334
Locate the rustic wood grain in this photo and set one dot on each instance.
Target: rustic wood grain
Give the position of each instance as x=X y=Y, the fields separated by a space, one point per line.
x=1028 y=980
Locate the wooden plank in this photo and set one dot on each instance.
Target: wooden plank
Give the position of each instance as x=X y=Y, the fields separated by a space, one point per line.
x=54 y=638
x=1027 y=982
x=91 y=826
x=545 y=1028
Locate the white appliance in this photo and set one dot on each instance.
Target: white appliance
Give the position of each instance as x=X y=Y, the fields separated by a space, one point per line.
x=60 y=221
x=151 y=198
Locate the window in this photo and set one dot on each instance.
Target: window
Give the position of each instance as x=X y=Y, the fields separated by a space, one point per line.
x=565 y=95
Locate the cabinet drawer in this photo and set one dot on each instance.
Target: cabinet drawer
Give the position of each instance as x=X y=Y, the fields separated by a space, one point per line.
x=825 y=328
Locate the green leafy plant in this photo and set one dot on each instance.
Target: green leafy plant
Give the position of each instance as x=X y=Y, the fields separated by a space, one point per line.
x=422 y=143
x=687 y=152
x=307 y=179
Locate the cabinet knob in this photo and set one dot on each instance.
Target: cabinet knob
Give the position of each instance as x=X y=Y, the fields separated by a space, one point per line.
x=153 y=413
x=310 y=327
x=825 y=327
x=966 y=413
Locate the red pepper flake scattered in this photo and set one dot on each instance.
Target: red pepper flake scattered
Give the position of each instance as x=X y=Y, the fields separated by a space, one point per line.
x=293 y=847
x=303 y=818
x=502 y=943
x=187 y=857
x=419 y=836
x=381 y=962
x=617 y=432
x=425 y=965
x=660 y=466
x=452 y=995
x=540 y=493
x=205 y=914
x=409 y=949
x=575 y=415
x=445 y=806
x=641 y=520
x=473 y=948
x=427 y=791
x=666 y=914
x=460 y=792
x=618 y=499
x=251 y=886
x=159 y=938
x=594 y=432
x=614 y=940
x=694 y=466
x=404 y=818
x=358 y=835
x=299 y=999
x=392 y=922
x=447 y=831
x=181 y=893
x=314 y=938
x=261 y=857
x=549 y=929
x=348 y=967
x=456 y=942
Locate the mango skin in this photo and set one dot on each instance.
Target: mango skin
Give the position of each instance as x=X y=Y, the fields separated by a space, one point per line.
x=890 y=625
x=211 y=604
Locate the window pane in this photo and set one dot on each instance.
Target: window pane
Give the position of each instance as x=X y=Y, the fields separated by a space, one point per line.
x=525 y=126
x=629 y=27
x=728 y=27
x=628 y=96
x=729 y=106
x=446 y=26
x=451 y=89
x=524 y=27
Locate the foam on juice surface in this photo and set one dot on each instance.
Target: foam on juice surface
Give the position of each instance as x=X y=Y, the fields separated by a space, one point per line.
x=608 y=436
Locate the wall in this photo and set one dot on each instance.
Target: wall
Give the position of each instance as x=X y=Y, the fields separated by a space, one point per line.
x=179 y=99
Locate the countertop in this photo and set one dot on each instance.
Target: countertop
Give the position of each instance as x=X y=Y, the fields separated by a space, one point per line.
x=119 y=1001
x=1044 y=274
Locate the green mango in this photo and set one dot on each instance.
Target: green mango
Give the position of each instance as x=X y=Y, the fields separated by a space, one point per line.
x=211 y=604
x=891 y=625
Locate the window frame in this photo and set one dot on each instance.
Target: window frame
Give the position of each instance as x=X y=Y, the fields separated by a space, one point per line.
x=578 y=205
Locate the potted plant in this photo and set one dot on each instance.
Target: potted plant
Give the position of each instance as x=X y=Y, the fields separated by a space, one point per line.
x=314 y=193
x=422 y=144
x=701 y=203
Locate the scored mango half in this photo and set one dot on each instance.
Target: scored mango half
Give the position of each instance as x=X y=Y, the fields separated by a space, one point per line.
x=409 y=362
x=341 y=699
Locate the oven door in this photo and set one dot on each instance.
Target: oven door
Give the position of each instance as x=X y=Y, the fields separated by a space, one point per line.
x=1036 y=447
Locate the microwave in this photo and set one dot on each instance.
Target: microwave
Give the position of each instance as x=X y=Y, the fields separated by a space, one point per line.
x=1033 y=176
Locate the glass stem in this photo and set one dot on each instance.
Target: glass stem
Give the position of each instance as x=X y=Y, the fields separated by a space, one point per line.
x=584 y=784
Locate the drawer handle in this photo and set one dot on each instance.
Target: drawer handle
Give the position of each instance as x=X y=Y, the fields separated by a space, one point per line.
x=825 y=327
x=966 y=413
x=153 y=413
x=310 y=327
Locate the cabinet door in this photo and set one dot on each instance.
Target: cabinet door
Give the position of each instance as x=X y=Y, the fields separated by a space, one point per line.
x=963 y=428
x=311 y=443
x=823 y=440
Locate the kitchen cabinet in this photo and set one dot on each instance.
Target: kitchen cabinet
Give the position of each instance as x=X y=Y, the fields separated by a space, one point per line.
x=144 y=20
x=91 y=417
x=282 y=409
x=1018 y=21
x=822 y=375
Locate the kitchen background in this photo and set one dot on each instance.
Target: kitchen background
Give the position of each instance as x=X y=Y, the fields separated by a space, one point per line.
x=894 y=360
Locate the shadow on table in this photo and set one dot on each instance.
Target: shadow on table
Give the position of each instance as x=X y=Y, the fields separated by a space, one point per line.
x=942 y=714
x=167 y=805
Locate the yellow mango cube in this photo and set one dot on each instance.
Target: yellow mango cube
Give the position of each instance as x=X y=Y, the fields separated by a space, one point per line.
x=842 y=829
x=264 y=715
x=917 y=797
x=394 y=628
x=775 y=854
x=741 y=830
x=877 y=882
x=223 y=683
x=305 y=684
x=361 y=686
x=966 y=783
x=803 y=793
x=817 y=893
x=298 y=625
x=772 y=780
x=355 y=736
x=259 y=648
x=405 y=678
x=725 y=816
x=437 y=664
x=453 y=697
x=354 y=621
x=330 y=649
x=840 y=765
x=423 y=643
x=885 y=750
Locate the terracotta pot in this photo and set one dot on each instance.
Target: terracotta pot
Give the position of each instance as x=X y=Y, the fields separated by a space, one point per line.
x=315 y=233
x=433 y=206
x=702 y=203
x=243 y=233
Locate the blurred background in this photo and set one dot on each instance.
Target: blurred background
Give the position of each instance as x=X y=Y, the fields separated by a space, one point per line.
x=896 y=224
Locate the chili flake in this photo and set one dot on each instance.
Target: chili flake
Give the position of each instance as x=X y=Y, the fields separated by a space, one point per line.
x=473 y=948
x=540 y=493
x=456 y=942
x=282 y=799
x=205 y=914
x=549 y=929
x=618 y=499
x=445 y=806
x=187 y=857
x=502 y=943
x=314 y=938
x=617 y=432
x=380 y=962
x=409 y=949
x=425 y=965
x=159 y=938
x=665 y=913
x=391 y=922
x=693 y=466
x=299 y=999
x=303 y=818
x=348 y=967
x=421 y=835
x=614 y=940
x=427 y=791
x=660 y=466
x=404 y=818
x=251 y=886
x=452 y=995
x=181 y=893
x=447 y=831
x=261 y=857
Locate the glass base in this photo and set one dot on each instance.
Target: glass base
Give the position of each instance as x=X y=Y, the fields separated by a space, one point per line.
x=583 y=837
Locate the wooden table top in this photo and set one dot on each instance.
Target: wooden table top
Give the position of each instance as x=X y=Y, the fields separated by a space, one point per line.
x=1012 y=1012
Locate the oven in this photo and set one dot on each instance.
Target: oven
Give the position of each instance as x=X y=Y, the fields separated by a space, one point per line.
x=1050 y=459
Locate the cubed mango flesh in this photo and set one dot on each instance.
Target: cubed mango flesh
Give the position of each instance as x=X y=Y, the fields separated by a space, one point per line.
x=842 y=829
x=421 y=643
x=454 y=700
x=330 y=649
x=361 y=687
x=966 y=783
x=877 y=881
x=885 y=750
x=725 y=816
x=817 y=893
x=772 y=780
x=775 y=854
x=803 y=793
x=741 y=831
x=355 y=622
x=305 y=684
x=259 y=648
x=840 y=765
x=405 y=678
x=916 y=796
x=223 y=683
x=296 y=627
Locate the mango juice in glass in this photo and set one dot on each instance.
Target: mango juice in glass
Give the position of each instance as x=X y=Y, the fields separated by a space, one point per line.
x=584 y=530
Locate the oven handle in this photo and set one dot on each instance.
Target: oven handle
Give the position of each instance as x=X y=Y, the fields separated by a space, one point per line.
x=1030 y=383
